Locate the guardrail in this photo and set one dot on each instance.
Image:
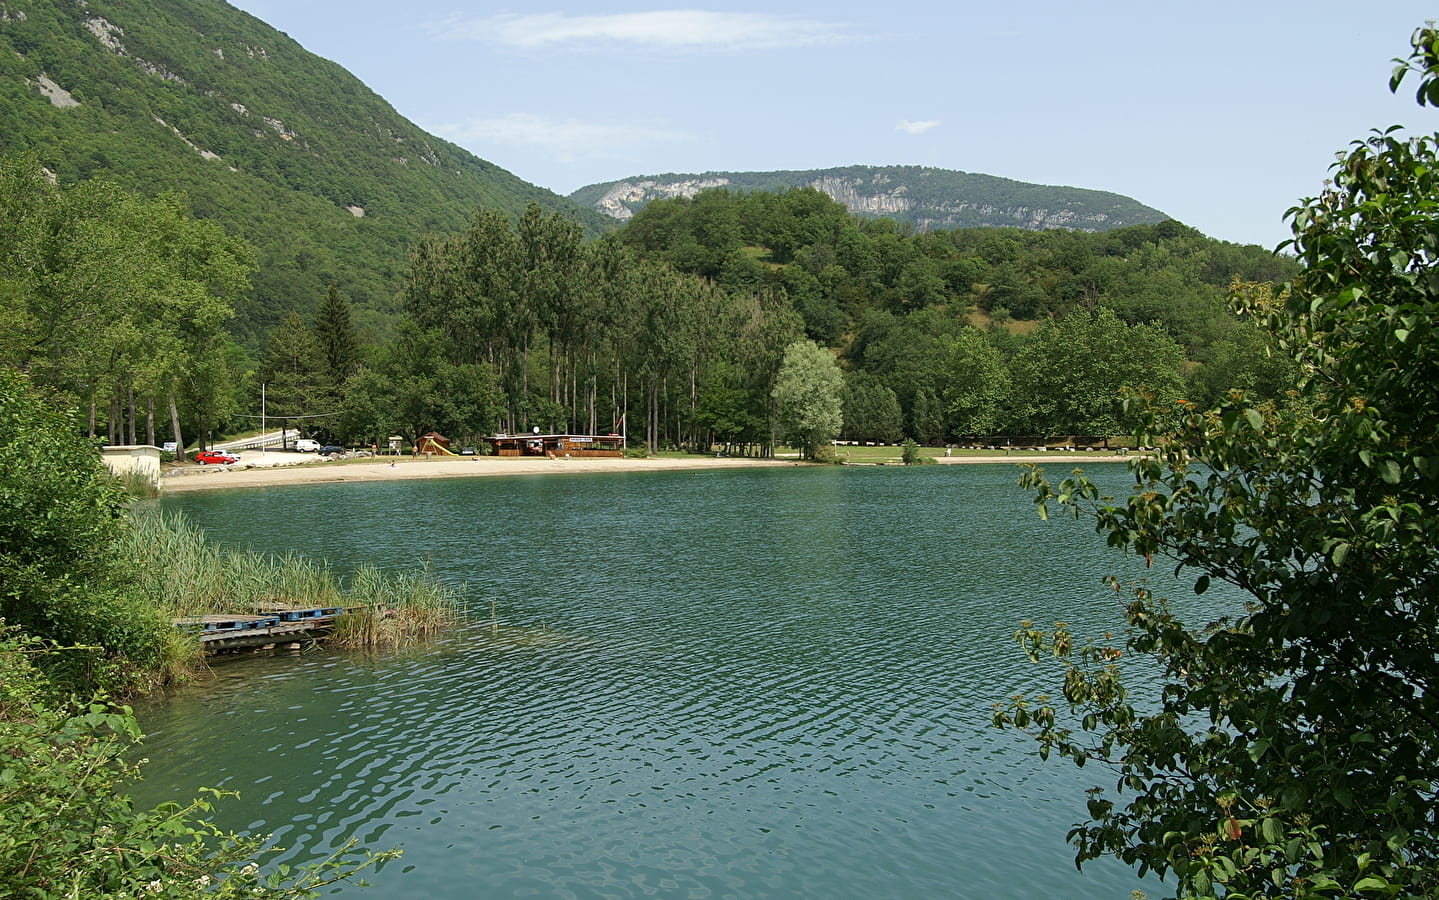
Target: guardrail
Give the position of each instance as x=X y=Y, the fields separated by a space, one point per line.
x=255 y=443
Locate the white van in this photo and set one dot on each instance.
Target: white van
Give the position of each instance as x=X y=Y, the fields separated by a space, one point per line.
x=305 y=445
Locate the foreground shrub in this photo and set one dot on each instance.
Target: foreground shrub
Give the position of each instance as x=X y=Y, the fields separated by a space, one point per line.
x=67 y=828
x=61 y=513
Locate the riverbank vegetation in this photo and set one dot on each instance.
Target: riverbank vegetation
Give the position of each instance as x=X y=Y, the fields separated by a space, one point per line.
x=1290 y=748
x=85 y=616
x=80 y=569
x=68 y=828
x=184 y=574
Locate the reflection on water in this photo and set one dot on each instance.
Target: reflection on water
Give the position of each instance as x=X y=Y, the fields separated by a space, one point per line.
x=759 y=683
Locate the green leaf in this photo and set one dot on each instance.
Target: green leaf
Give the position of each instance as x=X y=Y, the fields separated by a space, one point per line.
x=1271 y=829
x=1339 y=553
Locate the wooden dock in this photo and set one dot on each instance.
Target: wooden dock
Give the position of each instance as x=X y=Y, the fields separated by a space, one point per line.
x=271 y=625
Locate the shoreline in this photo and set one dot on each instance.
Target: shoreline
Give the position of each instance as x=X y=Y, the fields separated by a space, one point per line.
x=255 y=470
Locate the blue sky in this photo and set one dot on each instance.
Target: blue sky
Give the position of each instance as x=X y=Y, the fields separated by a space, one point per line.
x=1222 y=115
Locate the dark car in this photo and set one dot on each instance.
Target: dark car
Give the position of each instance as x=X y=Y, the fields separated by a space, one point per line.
x=215 y=457
x=332 y=450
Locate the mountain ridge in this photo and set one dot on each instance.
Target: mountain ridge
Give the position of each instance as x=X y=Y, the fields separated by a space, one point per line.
x=288 y=149
x=926 y=197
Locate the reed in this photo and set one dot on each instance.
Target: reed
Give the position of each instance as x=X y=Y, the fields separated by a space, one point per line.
x=138 y=486
x=185 y=574
x=394 y=609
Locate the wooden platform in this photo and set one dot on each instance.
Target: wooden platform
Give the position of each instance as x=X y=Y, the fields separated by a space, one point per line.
x=280 y=623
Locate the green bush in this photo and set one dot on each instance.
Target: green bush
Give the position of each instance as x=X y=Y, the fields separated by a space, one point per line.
x=67 y=828
x=61 y=513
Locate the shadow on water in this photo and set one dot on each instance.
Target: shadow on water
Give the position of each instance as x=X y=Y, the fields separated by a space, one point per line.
x=758 y=683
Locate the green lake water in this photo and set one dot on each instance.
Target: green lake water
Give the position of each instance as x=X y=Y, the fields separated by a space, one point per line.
x=759 y=683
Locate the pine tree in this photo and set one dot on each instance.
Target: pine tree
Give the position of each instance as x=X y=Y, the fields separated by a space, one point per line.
x=294 y=372
x=339 y=344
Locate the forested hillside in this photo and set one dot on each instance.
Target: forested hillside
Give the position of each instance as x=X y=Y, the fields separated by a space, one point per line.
x=683 y=318
x=286 y=149
x=285 y=259
x=923 y=196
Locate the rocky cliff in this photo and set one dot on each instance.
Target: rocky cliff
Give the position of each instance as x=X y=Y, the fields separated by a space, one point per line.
x=927 y=198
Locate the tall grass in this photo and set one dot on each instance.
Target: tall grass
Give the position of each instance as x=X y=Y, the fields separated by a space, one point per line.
x=187 y=575
x=390 y=610
x=138 y=485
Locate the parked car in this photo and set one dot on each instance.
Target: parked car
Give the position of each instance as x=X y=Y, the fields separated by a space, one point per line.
x=305 y=445
x=332 y=450
x=215 y=457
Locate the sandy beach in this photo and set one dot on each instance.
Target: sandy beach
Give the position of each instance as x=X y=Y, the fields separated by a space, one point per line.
x=257 y=469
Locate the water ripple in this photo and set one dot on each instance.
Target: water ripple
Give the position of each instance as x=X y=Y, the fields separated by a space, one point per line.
x=756 y=684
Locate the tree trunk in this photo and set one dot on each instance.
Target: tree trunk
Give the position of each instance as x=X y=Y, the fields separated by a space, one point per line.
x=175 y=427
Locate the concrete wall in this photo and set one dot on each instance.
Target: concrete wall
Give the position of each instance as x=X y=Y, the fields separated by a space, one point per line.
x=141 y=460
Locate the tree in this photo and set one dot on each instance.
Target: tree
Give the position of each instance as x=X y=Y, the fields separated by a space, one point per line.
x=1069 y=377
x=928 y=417
x=295 y=373
x=367 y=413
x=415 y=389
x=727 y=411
x=976 y=384
x=1241 y=357
x=1292 y=747
x=871 y=410
x=115 y=299
x=339 y=345
x=60 y=516
x=807 y=397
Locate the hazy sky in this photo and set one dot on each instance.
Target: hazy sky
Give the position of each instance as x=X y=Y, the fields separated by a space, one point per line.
x=1222 y=114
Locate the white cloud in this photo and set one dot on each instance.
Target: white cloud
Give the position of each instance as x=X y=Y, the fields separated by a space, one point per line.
x=920 y=127
x=677 y=29
x=565 y=139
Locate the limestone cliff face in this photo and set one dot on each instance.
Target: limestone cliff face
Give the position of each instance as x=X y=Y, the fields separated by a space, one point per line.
x=624 y=198
x=866 y=199
x=928 y=198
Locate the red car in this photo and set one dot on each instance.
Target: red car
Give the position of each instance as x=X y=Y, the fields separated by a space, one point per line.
x=215 y=457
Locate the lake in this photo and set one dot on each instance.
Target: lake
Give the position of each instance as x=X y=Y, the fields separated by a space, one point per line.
x=759 y=683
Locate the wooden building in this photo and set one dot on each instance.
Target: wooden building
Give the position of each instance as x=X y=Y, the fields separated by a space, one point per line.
x=559 y=446
x=434 y=442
